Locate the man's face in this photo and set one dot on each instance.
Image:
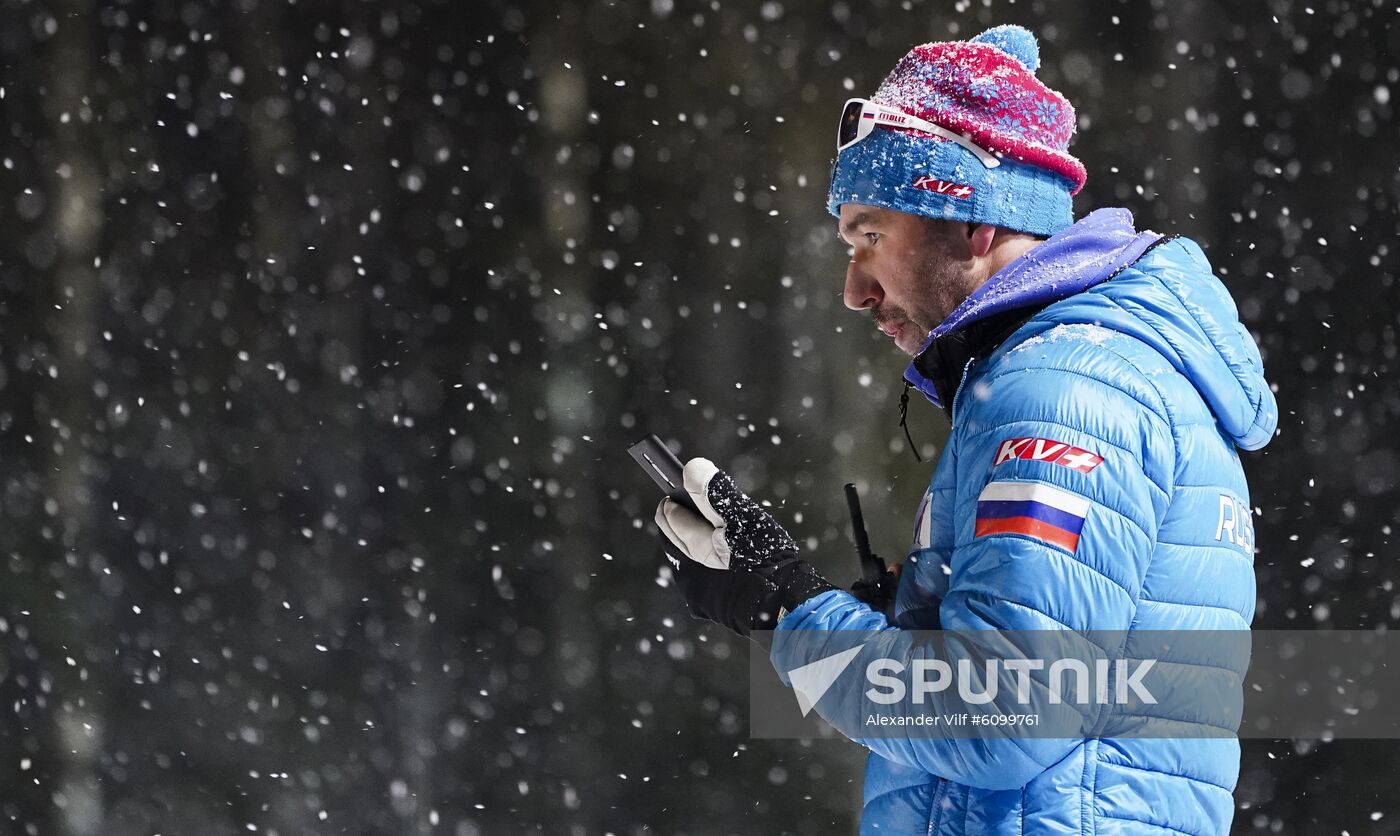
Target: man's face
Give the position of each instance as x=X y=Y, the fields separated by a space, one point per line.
x=904 y=269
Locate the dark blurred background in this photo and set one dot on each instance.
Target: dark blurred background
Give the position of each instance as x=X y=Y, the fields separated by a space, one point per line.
x=324 y=328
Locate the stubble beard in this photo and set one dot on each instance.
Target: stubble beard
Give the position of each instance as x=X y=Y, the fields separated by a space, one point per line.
x=939 y=287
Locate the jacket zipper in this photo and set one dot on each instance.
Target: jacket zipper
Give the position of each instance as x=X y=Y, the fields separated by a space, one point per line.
x=962 y=385
x=935 y=819
x=940 y=790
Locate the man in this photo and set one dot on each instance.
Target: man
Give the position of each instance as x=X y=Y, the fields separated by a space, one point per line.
x=1098 y=382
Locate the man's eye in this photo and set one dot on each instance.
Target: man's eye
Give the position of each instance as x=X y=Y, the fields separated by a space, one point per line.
x=872 y=237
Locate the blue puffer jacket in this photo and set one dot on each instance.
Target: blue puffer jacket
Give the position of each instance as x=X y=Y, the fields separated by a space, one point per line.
x=1141 y=369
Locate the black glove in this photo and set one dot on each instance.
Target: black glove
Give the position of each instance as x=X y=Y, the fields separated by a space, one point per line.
x=747 y=601
x=740 y=567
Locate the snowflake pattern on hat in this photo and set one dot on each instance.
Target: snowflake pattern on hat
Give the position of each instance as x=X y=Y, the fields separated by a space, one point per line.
x=986 y=89
x=981 y=89
x=1011 y=123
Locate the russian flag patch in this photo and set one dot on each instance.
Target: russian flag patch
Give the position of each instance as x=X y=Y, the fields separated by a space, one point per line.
x=1032 y=509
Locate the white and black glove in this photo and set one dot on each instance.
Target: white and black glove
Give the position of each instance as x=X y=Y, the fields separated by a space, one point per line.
x=742 y=571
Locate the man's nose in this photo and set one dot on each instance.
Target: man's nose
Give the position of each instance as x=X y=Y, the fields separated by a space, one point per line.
x=862 y=292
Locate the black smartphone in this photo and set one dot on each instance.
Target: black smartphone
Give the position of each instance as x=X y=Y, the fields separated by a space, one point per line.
x=663 y=467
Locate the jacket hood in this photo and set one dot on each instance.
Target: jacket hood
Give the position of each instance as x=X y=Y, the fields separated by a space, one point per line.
x=1073 y=260
x=1172 y=301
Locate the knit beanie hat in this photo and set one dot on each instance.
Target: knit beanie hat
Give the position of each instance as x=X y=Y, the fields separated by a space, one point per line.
x=986 y=90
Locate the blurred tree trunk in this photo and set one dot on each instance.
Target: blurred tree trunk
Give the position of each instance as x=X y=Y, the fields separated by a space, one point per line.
x=1188 y=182
x=581 y=679
x=410 y=712
x=266 y=115
x=67 y=404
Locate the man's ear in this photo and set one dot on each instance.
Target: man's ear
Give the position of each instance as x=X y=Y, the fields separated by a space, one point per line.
x=979 y=239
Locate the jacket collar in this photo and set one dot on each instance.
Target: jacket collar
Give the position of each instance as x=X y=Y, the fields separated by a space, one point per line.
x=943 y=362
x=1073 y=260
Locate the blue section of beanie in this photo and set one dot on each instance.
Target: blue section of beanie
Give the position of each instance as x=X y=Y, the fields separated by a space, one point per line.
x=1016 y=41
x=881 y=171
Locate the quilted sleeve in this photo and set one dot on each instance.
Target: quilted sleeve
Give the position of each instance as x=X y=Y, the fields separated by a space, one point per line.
x=1063 y=480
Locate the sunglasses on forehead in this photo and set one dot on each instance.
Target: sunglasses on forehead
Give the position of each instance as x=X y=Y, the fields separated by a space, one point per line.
x=861 y=116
